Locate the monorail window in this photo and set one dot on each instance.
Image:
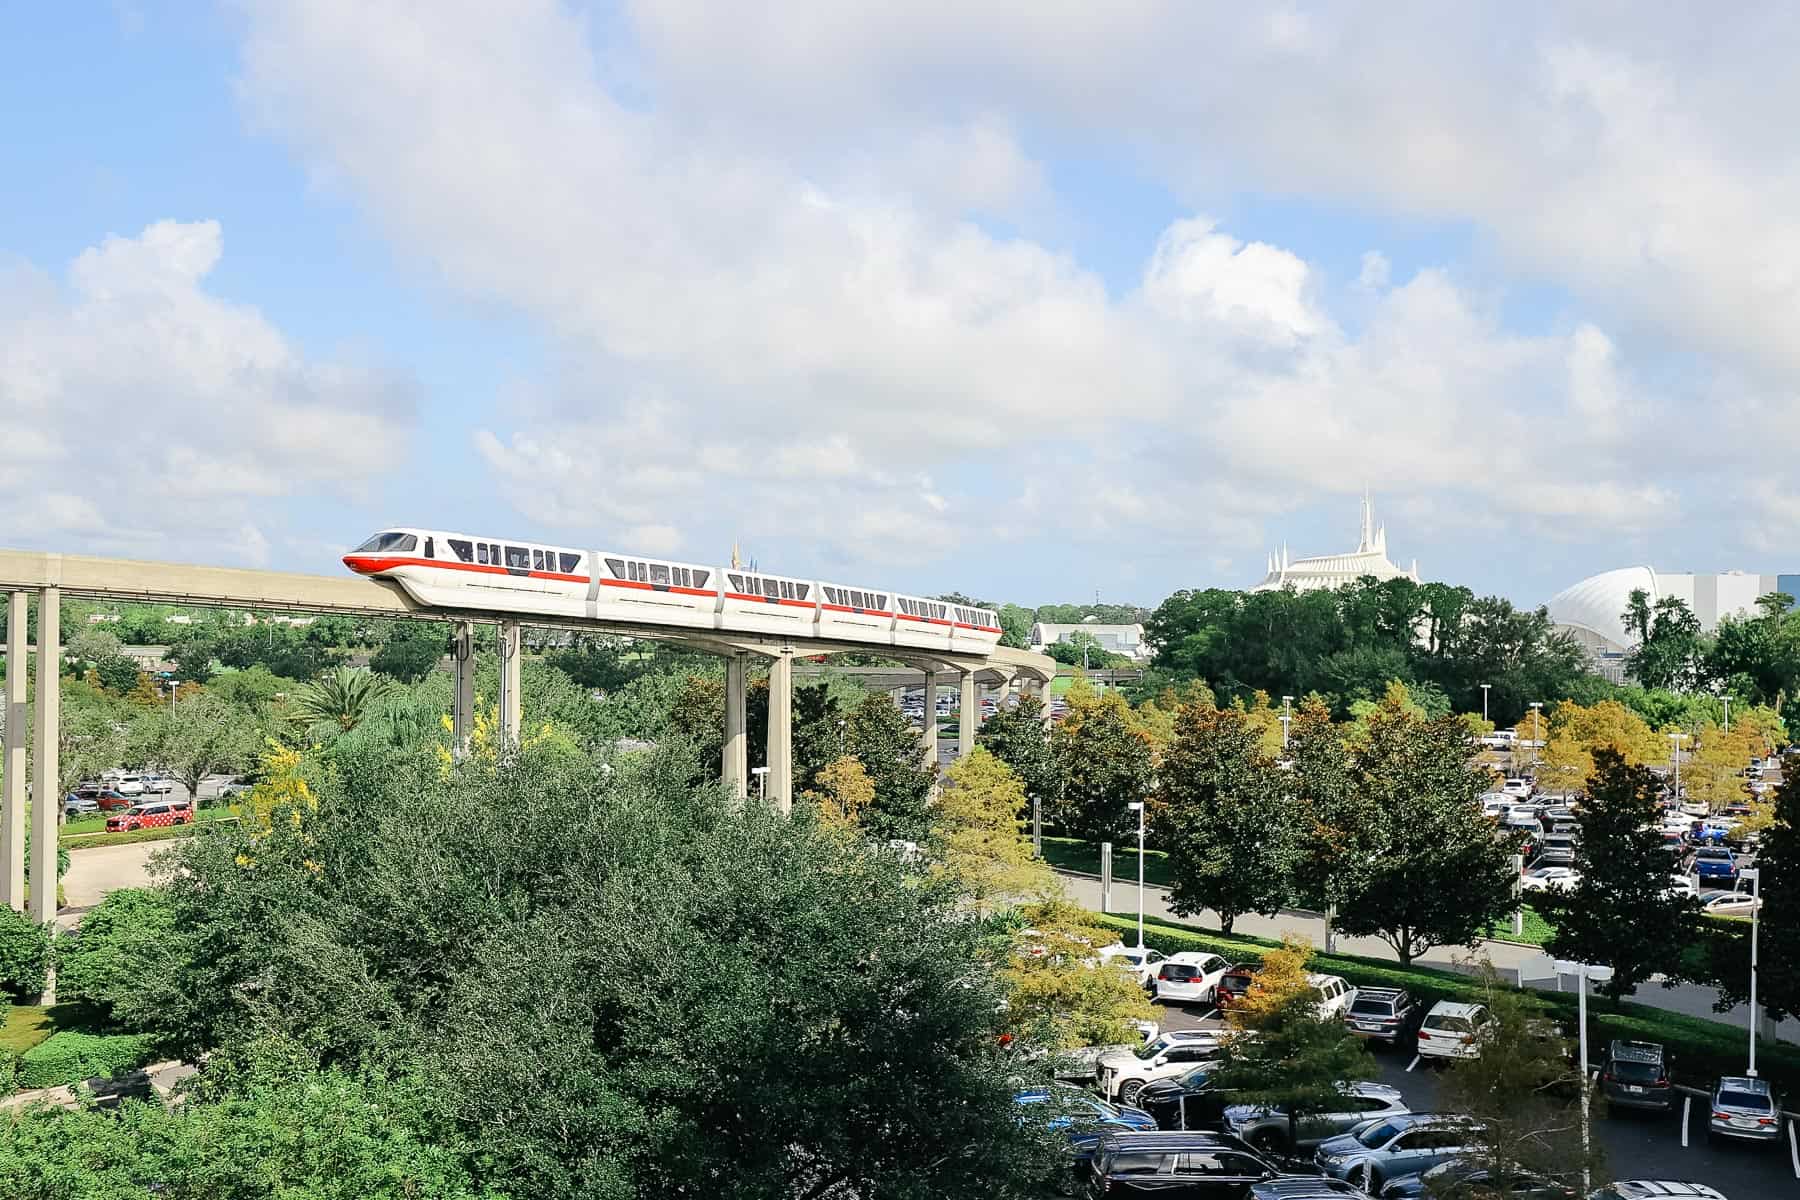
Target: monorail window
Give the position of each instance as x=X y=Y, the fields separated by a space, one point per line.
x=617 y=567
x=494 y=552
x=772 y=589
x=537 y=560
x=430 y=550
x=880 y=601
x=659 y=573
x=800 y=590
x=569 y=562
x=463 y=550
x=700 y=578
x=737 y=582
x=518 y=558
x=481 y=553
x=390 y=543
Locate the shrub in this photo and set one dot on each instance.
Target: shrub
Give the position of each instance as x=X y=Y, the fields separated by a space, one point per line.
x=111 y=958
x=24 y=954
x=9 y=1071
x=71 y=1056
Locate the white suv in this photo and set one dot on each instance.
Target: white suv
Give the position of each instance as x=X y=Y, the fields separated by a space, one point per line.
x=1191 y=977
x=1335 y=995
x=1141 y=961
x=1123 y=1074
x=1452 y=1030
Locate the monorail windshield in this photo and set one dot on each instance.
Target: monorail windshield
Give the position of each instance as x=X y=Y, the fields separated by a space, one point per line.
x=389 y=543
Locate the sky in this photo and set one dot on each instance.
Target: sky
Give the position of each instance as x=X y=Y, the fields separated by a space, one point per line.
x=1036 y=301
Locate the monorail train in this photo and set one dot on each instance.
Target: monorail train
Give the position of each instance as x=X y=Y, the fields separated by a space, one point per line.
x=455 y=570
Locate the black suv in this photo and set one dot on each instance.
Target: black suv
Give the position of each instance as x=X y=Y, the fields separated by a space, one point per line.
x=1186 y=1101
x=1175 y=1166
x=1636 y=1075
x=1384 y=1014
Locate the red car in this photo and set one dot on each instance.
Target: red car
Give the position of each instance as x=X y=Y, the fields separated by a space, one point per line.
x=1233 y=984
x=106 y=798
x=149 y=816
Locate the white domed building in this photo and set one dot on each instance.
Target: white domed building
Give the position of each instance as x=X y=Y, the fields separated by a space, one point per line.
x=1337 y=570
x=1592 y=611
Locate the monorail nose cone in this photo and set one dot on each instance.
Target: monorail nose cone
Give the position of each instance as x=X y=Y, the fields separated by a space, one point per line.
x=360 y=565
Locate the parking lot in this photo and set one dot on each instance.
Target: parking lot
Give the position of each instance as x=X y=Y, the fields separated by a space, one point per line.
x=1637 y=1145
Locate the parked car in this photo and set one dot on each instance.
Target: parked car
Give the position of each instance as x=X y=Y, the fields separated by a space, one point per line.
x=1305 y=1187
x=1065 y=1108
x=1392 y=1147
x=1456 y=1180
x=1744 y=1108
x=1123 y=1075
x=1233 y=984
x=1636 y=1075
x=1517 y=787
x=1190 y=1100
x=1729 y=904
x=150 y=816
x=1388 y=1015
x=1657 y=1189
x=1142 y=961
x=124 y=782
x=1715 y=864
x=1333 y=993
x=1543 y=878
x=1175 y=1166
x=76 y=806
x=158 y=785
x=1275 y=1131
x=1451 y=1030
x=111 y=801
x=1189 y=977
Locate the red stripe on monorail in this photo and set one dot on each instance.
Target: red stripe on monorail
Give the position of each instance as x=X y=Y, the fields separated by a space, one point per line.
x=845 y=608
x=364 y=564
x=755 y=599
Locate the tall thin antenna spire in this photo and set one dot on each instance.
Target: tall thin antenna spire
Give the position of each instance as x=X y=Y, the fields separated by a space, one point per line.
x=1368 y=524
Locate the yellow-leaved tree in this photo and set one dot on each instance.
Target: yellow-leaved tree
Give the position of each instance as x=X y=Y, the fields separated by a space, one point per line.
x=1057 y=995
x=1575 y=731
x=844 y=790
x=1714 y=771
x=1277 y=983
x=979 y=835
x=484 y=737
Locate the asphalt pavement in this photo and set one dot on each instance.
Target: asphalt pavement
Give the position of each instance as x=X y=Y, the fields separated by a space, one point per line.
x=1637 y=1145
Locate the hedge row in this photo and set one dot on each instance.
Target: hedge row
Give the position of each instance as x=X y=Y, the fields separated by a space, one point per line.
x=1700 y=1051
x=71 y=1056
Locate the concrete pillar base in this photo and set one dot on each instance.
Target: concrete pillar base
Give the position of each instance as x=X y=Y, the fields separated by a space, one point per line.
x=45 y=783
x=930 y=739
x=15 y=764
x=968 y=710
x=510 y=710
x=736 y=770
x=462 y=668
x=781 y=732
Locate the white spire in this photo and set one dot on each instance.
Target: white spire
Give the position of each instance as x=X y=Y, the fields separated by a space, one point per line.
x=1367 y=542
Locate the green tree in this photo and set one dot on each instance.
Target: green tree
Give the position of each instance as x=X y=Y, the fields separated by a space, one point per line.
x=1524 y=1090
x=1019 y=737
x=607 y=932
x=1672 y=651
x=342 y=698
x=1057 y=997
x=1224 y=818
x=412 y=650
x=1778 y=959
x=1015 y=624
x=1106 y=765
x=201 y=735
x=1431 y=871
x=24 y=956
x=879 y=737
x=1621 y=913
x=1285 y=1053
x=123 y=947
x=977 y=832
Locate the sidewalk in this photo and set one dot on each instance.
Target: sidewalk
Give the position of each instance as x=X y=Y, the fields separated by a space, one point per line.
x=1527 y=965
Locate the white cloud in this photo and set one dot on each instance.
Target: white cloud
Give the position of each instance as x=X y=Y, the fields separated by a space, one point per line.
x=181 y=411
x=756 y=241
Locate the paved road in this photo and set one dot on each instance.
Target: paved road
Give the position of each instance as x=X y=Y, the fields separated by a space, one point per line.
x=1527 y=964
x=1637 y=1146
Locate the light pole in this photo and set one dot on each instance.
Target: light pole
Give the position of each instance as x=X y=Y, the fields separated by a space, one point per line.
x=841 y=726
x=1599 y=974
x=1754 y=875
x=1536 y=740
x=1727 y=699
x=1137 y=806
x=1675 y=740
x=1287 y=715
x=1484 y=700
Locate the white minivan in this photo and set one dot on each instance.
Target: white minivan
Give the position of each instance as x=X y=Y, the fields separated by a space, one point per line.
x=1190 y=977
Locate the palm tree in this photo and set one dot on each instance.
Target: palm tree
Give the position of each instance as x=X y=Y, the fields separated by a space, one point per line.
x=342 y=696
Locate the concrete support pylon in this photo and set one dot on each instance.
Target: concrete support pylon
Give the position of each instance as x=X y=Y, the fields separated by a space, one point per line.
x=45 y=786
x=781 y=731
x=930 y=740
x=737 y=738
x=968 y=708
x=462 y=703
x=509 y=685
x=1043 y=691
x=16 y=763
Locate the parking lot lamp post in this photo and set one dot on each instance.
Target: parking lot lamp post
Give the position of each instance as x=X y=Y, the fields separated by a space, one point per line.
x=1484 y=700
x=1287 y=715
x=1137 y=806
x=1727 y=699
x=1675 y=740
x=1536 y=740
x=1599 y=974
x=1754 y=875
